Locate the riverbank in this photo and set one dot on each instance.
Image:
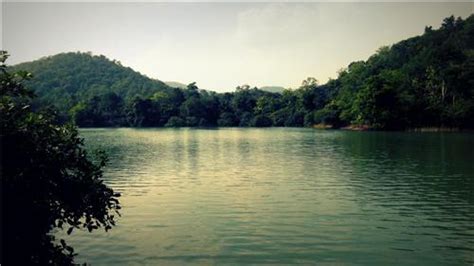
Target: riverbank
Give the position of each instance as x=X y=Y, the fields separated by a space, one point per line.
x=369 y=128
x=349 y=127
x=436 y=129
x=322 y=127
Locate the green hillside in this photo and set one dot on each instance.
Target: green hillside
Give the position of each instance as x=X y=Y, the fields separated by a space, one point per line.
x=65 y=79
x=424 y=81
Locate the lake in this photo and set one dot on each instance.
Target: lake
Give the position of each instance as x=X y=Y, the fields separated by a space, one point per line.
x=285 y=195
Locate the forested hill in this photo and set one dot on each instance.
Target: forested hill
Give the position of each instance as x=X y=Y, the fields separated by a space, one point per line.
x=424 y=81
x=67 y=78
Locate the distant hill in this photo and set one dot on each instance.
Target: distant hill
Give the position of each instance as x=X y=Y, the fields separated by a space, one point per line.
x=275 y=89
x=175 y=84
x=66 y=78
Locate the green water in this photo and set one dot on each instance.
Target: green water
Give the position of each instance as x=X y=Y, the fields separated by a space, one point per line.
x=249 y=196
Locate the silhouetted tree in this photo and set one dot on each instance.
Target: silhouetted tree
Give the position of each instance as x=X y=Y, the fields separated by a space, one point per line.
x=48 y=180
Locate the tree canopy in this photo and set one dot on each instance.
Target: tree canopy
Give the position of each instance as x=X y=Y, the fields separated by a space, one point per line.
x=424 y=81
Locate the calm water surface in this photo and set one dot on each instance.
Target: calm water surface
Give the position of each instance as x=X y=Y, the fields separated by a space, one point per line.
x=248 y=196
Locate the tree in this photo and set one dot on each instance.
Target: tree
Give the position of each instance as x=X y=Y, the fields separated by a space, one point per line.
x=48 y=180
x=227 y=119
x=309 y=82
x=192 y=109
x=262 y=121
x=175 y=121
x=329 y=115
x=143 y=113
x=104 y=110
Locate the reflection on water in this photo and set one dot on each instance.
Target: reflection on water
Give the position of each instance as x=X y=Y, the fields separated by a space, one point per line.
x=287 y=196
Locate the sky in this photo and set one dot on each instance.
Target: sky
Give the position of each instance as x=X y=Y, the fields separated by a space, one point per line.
x=220 y=45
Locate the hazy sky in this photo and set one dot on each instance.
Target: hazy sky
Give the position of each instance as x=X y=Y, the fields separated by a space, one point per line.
x=220 y=45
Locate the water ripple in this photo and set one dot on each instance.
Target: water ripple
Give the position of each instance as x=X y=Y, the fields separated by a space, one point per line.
x=288 y=196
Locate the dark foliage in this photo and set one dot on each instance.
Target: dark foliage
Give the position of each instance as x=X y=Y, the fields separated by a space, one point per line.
x=48 y=180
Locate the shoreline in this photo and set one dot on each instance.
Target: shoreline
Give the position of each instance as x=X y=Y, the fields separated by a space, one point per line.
x=416 y=129
x=317 y=126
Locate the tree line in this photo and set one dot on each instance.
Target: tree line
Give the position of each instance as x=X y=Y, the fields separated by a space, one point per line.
x=424 y=81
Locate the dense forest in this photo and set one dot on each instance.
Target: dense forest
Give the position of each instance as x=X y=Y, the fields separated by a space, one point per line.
x=424 y=81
